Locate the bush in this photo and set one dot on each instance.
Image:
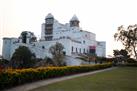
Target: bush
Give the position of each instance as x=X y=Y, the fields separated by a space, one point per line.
x=4 y=63
x=131 y=60
x=131 y=64
x=12 y=77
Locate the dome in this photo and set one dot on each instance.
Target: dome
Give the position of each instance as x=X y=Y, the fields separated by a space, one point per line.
x=49 y=16
x=74 y=18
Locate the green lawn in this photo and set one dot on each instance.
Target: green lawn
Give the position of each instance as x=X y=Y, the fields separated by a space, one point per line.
x=120 y=79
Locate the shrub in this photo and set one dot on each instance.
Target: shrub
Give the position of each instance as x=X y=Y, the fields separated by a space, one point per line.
x=12 y=77
x=131 y=60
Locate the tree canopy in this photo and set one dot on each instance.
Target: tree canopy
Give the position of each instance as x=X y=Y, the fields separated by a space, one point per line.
x=128 y=37
x=122 y=53
x=22 y=58
x=57 y=53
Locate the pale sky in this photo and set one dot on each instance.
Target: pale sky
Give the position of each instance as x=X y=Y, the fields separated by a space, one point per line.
x=101 y=17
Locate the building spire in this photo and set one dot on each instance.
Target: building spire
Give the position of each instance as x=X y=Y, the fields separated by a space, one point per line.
x=49 y=16
x=74 y=18
x=74 y=22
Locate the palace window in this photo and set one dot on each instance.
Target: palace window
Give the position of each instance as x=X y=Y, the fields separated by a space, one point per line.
x=84 y=42
x=43 y=47
x=84 y=50
x=72 y=49
x=76 y=50
x=80 y=50
x=87 y=50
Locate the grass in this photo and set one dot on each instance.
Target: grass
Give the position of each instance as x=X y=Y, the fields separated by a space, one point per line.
x=120 y=79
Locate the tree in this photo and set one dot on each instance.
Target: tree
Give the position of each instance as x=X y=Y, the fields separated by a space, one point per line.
x=24 y=36
x=44 y=62
x=22 y=58
x=116 y=52
x=122 y=55
x=4 y=63
x=128 y=37
x=57 y=53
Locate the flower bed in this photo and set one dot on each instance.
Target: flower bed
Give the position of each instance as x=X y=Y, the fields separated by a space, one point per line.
x=13 y=77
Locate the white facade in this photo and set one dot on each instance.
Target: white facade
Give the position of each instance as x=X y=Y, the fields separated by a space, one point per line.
x=101 y=49
x=70 y=35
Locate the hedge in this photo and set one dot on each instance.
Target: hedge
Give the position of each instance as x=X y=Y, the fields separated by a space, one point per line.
x=13 y=77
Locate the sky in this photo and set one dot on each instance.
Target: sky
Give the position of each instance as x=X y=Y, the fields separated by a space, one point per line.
x=101 y=17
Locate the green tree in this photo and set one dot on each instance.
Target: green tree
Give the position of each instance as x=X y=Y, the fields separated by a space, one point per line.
x=124 y=53
x=116 y=52
x=57 y=53
x=24 y=36
x=128 y=37
x=22 y=58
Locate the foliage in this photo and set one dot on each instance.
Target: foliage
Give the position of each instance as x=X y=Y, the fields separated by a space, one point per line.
x=4 y=63
x=101 y=59
x=49 y=61
x=44 y=62
x=22 y=58
x=131 y=62
x=120 y=57
x=93 y=58
x=122 y=53
x=57 y=53
x=128 y=37
x=116 y=52
x=12 y=77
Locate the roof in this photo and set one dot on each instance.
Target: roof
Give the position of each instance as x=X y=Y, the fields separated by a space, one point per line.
x=74 y=18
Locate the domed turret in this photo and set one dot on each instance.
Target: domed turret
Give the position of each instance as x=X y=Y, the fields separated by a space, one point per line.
x=49 y=16
x=49 y=19
x=74 y=18
x=74 y=22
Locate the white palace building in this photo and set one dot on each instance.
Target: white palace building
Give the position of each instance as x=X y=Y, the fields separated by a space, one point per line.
x=75 y=40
